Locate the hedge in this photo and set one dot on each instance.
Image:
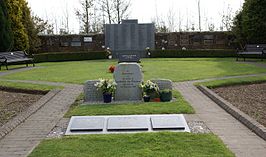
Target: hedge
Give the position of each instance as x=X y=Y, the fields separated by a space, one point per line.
x=193 y=53
x=69 y=56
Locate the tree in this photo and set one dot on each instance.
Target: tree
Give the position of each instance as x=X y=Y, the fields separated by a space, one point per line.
x=5 y=28
x=227 y=18
x=171 y=18
x=249 y=24
x=42 y=26
x=85 y=14
x=199 y=15
x=29 y=25
x=107 y=10
x=121 y=8
x=15 y=13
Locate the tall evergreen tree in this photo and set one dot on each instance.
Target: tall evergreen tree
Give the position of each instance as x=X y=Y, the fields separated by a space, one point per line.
x=15 y=12
x=5 y=29
x=31 y=31
x=250 y=23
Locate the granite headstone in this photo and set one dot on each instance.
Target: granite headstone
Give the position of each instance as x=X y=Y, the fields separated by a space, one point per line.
x=91 y=93
x=128 y=77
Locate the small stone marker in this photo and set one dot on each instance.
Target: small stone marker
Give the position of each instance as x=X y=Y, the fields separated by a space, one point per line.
x=163 y=84
x=87 y=124
x=168 y=123
x=91 y=93
x=128 y=77
x=129 y=58
x=127 y=123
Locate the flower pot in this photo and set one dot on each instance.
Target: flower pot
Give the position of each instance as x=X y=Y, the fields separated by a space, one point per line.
x=166 y=96
x=153 y=94
x=146 y=98
x=107 y=98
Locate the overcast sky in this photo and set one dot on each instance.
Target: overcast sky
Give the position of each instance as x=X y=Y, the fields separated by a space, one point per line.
x=144 y=11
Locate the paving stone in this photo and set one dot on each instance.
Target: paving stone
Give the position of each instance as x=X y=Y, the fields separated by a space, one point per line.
x=127 y=123
x=168 y=123
x=87 y=124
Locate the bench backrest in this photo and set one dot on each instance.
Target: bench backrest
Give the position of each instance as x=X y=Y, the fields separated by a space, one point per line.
x=255 y=47
x=13 y=55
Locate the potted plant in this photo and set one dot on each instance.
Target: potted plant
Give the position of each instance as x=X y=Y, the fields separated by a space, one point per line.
x=146 y=98
x=150 y=90
x=166 y=95
x=107 y=87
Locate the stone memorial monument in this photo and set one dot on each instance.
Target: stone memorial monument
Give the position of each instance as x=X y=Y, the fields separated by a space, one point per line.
x=129 y=37
x=128 y=77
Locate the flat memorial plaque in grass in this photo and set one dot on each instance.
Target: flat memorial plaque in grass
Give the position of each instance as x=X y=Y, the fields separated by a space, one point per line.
x=176 y=69
x=163 y=144
x=176 y=107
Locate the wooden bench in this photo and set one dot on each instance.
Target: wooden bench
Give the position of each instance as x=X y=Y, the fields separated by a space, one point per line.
x=255 y=50
x=17 y=57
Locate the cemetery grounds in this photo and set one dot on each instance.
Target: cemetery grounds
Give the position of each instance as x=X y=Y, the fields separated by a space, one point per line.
x=144 y=144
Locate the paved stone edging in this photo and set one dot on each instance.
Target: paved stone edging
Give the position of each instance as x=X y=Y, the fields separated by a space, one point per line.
x=25 y=137
x=252 y=124
x=235 y=135
x=20 y=118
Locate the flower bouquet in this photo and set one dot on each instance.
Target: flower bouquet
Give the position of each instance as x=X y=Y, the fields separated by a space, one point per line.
x=108 y=87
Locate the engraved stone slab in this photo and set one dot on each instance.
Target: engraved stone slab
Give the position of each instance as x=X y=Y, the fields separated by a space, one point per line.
x=129 y=58
x=127 y=123
x=163 y=84
x=87 y=124
x=91 y=93
x=128 y=77
x=168 y=123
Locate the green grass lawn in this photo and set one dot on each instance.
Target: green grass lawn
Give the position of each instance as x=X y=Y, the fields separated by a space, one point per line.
x=179 y=106
x=176 y=69
x=233 y=81
x=27 y=86
x=163 y=144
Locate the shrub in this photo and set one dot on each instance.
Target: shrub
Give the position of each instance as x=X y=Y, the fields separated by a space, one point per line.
x=193 y=53
x=69 y=56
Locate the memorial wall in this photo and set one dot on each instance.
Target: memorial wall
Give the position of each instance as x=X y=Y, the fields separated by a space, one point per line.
x=175 y=40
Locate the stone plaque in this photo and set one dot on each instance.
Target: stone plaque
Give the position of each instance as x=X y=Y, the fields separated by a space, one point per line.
x=129 y=58
x=91 y=93
x=127 y=123
x=87 y=124
x=128 y=77
x=168 y=123
x=88 y=39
